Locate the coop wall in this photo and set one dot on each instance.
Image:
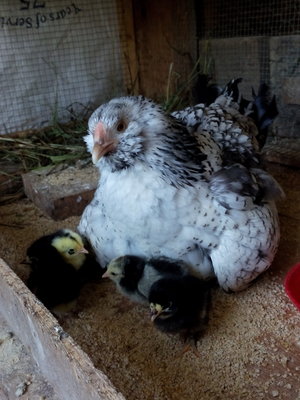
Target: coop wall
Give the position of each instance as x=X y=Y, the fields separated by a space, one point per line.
x=59 y=59
x=166 y=44
x=258 y=41
x=62 y=59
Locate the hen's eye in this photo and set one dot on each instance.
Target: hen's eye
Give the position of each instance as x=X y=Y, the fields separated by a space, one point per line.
x=121 y=127
x=71 y=251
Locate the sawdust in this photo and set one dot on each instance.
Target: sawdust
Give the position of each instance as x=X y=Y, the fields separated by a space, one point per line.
x=251 y=349
x=68 y=176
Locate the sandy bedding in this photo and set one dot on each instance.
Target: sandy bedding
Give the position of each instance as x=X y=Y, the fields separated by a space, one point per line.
x=251 y=349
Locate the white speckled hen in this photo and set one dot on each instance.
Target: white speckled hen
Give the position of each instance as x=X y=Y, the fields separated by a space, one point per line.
x=188 y=188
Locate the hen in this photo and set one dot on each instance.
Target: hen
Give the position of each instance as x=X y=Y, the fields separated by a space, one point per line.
x=186 y=186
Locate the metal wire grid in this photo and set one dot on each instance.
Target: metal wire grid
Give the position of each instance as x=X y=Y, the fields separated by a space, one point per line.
x=258 y=41
x=221 y=19
x=57 y=65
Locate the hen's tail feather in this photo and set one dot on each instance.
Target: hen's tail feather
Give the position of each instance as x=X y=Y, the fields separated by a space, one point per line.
x=264 y=112
x=246 y=106
x=232 y=90
x=205 y=92
x=262 y=109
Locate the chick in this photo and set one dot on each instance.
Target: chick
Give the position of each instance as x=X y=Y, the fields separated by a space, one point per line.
x=59 y=266
x=180 y=305
x=135 y=275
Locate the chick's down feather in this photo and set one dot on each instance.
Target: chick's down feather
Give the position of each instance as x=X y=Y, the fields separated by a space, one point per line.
x=180 y=305
x=59 y=267
x=134 y=275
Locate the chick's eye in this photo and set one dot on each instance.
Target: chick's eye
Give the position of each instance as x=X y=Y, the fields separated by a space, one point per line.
x=71 y=251
x=120 y=127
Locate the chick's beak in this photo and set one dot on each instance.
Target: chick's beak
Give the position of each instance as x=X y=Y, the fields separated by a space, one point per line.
x=26 y=261
x=105 y=275
x=83 y=251
x=155 y=311
x=102 y=142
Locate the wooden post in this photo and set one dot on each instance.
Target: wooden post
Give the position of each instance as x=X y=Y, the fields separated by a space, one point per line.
x=127 y=38
x=165 y=34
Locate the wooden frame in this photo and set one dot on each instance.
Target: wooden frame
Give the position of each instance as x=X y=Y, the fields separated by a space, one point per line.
x=63 y=363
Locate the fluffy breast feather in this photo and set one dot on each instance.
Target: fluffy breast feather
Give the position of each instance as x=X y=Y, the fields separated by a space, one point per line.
x=137 y=213
x=166 y=203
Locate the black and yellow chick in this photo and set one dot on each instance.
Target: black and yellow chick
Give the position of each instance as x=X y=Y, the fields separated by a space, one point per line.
x=135 y=275
x=180 y=305
x=60 y=266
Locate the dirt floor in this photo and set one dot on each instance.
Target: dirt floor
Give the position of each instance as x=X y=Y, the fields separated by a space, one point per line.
x=251 y=349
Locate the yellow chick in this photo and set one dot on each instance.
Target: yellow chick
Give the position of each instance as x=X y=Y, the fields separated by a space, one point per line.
x=60 y=266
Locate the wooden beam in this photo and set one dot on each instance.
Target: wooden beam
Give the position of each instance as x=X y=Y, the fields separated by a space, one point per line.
x=69 y=370
x=61 y=194
x=128 y=45
x=165 y=35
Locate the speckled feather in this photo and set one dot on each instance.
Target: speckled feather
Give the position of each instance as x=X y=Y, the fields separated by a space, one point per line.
x=235 y=133
x=156 y=197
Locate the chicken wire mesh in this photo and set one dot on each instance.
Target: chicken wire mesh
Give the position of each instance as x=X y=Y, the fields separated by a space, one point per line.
x=260 y=42
x=58 y=58
x=249 y=18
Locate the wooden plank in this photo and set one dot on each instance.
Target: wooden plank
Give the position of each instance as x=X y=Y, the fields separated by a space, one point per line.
x=61 y=360
x=127 y=39
x=283 y=151
x=61 y=194
x=165 y=34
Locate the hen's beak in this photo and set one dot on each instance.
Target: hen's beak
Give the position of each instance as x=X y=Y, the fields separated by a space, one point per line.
x=102 y=142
